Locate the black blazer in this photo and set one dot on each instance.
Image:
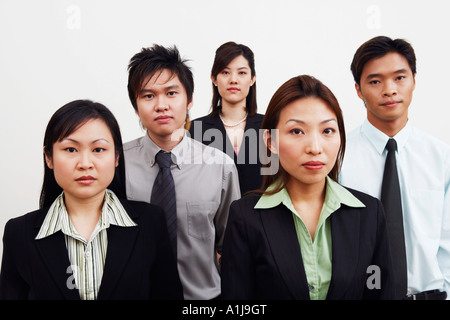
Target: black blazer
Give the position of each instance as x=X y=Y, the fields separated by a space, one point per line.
x=248 y=161
x=261 y=256
x=139 y=262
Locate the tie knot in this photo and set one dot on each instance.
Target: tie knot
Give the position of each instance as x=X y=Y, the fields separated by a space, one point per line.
x=391 y=145
x=163 y=159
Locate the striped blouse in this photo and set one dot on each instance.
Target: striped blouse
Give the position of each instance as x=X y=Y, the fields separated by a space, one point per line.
x=87 y=258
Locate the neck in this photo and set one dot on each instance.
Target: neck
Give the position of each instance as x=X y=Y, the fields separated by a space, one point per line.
x=84 y=213
x=167 y=143
x=304 y=193
x=389 y=128
x=84 y=207
x=233 y=112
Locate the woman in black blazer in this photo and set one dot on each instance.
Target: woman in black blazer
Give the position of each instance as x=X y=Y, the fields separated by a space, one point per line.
x=233 y=125
x=87 y=241
x=304 y=236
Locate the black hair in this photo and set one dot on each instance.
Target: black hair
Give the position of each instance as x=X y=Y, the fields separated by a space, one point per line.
x=64 y=122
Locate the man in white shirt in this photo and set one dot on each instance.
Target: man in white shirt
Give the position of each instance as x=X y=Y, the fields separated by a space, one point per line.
x=384 y=72
x=205 y=180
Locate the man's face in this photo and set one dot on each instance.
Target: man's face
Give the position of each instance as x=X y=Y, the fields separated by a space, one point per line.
x=387 y=86
x=162 y=105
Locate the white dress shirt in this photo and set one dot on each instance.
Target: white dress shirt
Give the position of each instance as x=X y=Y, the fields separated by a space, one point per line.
x=423 y=164
x=206 y=182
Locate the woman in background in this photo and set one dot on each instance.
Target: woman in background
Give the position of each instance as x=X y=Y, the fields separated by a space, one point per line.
x=86 y=241
x=305 y=236
x=233 y=123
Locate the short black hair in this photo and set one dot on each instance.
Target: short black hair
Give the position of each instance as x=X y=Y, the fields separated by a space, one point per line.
x=149 y=61
x=378 y=47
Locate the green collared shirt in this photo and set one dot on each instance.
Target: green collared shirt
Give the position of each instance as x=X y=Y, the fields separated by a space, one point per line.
x=87 y=258
x=316 y=253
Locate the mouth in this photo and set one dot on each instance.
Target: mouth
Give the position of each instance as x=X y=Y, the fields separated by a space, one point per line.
x=86 y=180
x=391 y=103
x=313 y=165
x=163 y=119
x=233 y=90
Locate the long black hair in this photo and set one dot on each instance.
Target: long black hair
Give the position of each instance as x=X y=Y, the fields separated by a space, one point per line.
x=64 y=122
x=224 y=55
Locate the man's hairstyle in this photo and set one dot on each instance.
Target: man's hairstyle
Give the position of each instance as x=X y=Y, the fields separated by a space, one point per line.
x=378 y=47
x=150 y=61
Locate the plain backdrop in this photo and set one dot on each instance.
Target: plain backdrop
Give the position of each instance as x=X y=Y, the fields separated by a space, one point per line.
x=56 y=51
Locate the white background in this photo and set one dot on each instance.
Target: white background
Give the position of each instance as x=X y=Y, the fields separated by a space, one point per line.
x=53 y=52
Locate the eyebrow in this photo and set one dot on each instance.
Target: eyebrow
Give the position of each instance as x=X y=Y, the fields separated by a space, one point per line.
x=77 y=142
x=376 y=75
x=240 y=68
x=303 y=122
x=171 y=87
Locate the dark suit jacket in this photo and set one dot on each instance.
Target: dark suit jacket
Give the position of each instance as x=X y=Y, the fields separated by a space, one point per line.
x=139 y=261
x=247 y=161
x=261 y=256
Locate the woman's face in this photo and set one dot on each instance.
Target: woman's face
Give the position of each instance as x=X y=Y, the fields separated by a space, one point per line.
x=84 y=162
x=234 y=81
x=308 y=140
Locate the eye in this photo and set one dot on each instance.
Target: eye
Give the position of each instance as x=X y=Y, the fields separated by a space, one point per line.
x=329 y=131
x=243 y=73
x=98 y=150
x=400 y=77
x=374 y=82
x=70 y=149
x=224 y=72
x=148 y=96
x=296 y=131
x=171 y=93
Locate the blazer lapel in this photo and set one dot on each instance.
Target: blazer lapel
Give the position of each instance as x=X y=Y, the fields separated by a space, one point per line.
x=53 y=252
x=121 y=241
x=280 y=230
x=345 y=236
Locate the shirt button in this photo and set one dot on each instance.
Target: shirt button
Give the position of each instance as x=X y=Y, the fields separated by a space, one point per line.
x=310 y=287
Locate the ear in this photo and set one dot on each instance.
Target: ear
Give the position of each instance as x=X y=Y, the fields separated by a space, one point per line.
x=48 y=160
x=269 y=141
x=253 y=80
x=359 y=92
x=190 y=105
x=214 y=81
x=117 y=160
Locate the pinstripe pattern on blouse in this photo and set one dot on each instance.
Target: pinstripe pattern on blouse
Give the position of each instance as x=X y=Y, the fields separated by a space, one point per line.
x=87 y=258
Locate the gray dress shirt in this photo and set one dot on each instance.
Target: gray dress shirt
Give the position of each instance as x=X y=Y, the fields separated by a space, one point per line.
x=206 y=182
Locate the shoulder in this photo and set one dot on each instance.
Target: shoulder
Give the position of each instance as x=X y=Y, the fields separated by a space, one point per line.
x=25 y=224
x=140 y=208
x=426 y=140
x=247 y=203
x=145 y=215
x=255 y=121
x=133 y=144
x=210 y=155
x=365 y=198
x=206 y=118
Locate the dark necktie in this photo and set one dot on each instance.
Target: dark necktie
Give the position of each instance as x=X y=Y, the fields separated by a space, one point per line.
x=163 y=195
x=391 y=199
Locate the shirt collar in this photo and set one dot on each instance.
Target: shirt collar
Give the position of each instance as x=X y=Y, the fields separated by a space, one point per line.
x=335 y=195
x=177 y=153
x=379 y=139
x=58 y=219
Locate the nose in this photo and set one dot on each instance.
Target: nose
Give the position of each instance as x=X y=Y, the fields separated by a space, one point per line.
x=161 y=105
x=85 y=161
x=233 y=77
x=314 y=145
x=390 y=89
